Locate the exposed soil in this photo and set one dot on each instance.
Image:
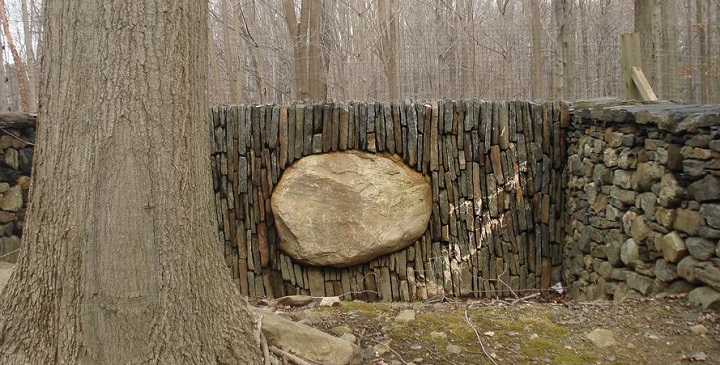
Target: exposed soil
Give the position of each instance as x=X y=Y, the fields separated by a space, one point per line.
x=553 y=331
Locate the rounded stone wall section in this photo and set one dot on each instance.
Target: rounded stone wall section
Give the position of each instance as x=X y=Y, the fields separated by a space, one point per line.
x=345 y=208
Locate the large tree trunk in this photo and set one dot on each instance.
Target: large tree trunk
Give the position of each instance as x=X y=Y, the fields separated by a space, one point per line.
x=120 y=260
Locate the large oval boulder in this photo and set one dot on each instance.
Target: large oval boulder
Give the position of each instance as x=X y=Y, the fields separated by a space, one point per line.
x=345 y=208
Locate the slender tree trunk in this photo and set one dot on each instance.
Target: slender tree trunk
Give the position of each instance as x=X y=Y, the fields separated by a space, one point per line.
x=589 y=85
x=120 y=263
x=229 y=49
x=644 y=26
x=3 y=83
x=29 y=58
x=556 y=82
x=716 y=60
x=537 y=58
x=568 y=48
x=299 y=36
x=689 y=57
x=314 y=50
x=388 y=13
x=251 y=25
x=703 y=55
x=20 y=71
x=467 y=58
x=671 y=72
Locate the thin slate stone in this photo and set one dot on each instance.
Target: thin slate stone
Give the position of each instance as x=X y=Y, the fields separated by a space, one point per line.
x=307 y=131
x=273 y=127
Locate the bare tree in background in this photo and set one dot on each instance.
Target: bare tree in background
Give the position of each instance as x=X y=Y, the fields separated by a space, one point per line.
x=20 y=69
x=283 y=50
x=671 y=72
x=388 y=13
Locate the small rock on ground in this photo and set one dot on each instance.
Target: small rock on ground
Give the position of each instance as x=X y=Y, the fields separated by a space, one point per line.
x=349 y=337
x=601 y=338
x=405 y=316
x=453 y=349
x=699 y=330
x=438 y=335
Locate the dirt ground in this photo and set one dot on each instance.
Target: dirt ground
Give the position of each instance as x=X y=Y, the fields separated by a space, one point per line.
x=533 y=331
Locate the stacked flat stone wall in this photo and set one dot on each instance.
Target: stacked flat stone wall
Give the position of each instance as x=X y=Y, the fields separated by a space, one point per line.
x=496 y=170
x=643 y=201
x=17 y=138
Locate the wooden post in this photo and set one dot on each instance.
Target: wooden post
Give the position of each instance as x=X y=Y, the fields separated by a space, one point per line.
x=642 y=85
x=630 y=46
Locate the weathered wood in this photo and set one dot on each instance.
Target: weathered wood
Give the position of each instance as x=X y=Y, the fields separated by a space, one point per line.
x=643 y=86
x=630 y=50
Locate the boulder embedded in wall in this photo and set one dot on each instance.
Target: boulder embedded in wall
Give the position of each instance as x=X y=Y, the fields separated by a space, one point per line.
x=345 y=208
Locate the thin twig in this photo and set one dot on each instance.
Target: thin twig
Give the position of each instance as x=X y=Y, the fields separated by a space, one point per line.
x=439 y=355
x=10 y=253
x=525 y=298
x=294 y=358
x=389 y=348
x=469 y=322
x=265 y=350
x=357 y=292
x=16 y=137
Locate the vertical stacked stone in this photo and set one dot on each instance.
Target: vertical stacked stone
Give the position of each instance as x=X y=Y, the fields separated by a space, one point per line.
x=17 y=138
x=642 y=201
x=496 y=175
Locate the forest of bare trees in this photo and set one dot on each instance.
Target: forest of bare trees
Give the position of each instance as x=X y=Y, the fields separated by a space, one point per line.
x=277 y=51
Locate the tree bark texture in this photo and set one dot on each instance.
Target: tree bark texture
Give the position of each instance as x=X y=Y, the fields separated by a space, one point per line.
x=120 y=262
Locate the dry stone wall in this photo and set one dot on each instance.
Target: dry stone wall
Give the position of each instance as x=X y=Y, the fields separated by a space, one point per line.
x=17 y=138
x=643 y=201
x=496 y=170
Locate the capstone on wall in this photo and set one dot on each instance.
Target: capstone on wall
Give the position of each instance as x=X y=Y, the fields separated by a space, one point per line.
x=496 y=176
